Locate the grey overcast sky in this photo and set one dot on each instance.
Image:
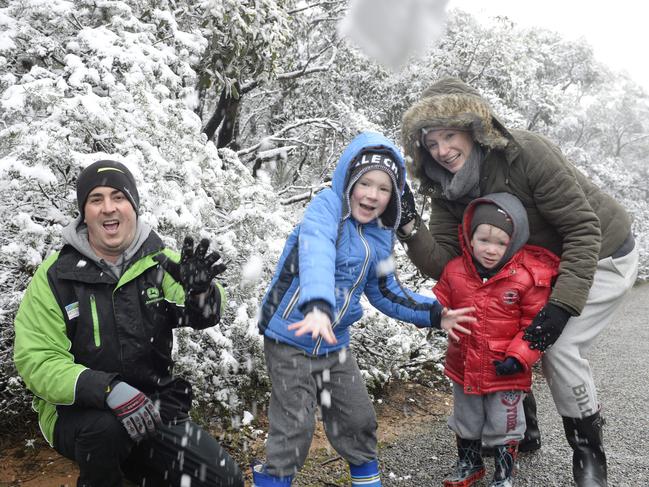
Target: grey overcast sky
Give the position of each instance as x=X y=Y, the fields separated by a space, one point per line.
x=618 y=31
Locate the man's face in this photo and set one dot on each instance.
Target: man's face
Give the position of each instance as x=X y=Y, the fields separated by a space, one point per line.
x=111 y=221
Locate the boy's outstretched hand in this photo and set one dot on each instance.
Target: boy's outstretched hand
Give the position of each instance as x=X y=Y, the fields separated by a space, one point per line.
x=318 y=324
x=451 y=319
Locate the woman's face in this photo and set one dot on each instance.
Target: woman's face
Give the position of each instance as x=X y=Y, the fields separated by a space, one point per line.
x=450 y=148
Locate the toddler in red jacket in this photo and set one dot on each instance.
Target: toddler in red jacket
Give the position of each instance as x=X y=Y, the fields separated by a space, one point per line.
x=507 y=282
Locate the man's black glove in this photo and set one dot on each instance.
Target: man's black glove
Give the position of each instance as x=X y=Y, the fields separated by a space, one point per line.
x=546 y=327
x=196 y=270
x=135 y=411
x=508 y=366
x=408 y=209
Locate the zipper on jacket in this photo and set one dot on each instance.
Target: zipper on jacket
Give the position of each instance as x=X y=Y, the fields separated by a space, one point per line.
x=291 y=304
x=95 y=320
x=348 y=298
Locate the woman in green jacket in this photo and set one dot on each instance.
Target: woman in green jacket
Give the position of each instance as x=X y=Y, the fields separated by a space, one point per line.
x=459 y=150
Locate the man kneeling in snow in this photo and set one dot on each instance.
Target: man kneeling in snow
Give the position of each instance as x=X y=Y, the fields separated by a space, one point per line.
x=94 y=339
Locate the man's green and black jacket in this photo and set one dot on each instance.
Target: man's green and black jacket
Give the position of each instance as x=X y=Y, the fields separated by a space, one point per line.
x=79 y=328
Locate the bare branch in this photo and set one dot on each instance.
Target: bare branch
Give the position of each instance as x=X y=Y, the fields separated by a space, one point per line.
x=164 y=39
x=76 y=21
x=313 y=5
x=305 y=196
x=49 y=198
x=274 y=153
x=310 y=188
x=293 y=140
x=323 y=122
x=303 y=71
x=315 y=69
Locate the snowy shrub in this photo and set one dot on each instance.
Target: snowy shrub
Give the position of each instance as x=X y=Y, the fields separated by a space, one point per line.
x=80 y=89
x=387 y=349
x=83 y=80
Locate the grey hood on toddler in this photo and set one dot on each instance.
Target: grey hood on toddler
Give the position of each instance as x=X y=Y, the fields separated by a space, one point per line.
x=511 y=205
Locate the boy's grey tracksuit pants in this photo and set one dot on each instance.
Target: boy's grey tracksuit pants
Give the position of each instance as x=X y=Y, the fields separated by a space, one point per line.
x=300 y=383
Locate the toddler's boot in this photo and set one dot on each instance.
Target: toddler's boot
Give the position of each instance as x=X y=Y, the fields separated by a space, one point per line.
x=505 y=459
x=469 y=467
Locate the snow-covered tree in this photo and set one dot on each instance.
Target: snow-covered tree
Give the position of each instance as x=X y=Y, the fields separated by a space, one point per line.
x=85 y=81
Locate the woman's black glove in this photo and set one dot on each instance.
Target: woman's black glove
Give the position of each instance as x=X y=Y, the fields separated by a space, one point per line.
x=546 y=327
x=508 y=366
x=408 y=209
x=196 y=268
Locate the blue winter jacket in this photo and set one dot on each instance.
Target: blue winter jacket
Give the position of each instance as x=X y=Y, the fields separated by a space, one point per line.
x=330 y=260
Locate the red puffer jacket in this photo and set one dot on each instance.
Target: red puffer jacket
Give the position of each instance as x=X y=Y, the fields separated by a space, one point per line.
x=505 y=304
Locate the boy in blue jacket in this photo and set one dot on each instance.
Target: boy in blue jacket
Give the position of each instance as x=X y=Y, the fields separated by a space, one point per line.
x=340 y=250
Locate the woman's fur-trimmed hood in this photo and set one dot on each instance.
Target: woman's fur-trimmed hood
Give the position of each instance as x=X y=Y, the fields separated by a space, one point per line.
x=447 y=103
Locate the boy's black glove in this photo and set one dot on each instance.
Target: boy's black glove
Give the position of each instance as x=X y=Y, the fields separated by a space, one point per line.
x=546 y=327
x=196 y=270
x=408 y=209
x=508 y=366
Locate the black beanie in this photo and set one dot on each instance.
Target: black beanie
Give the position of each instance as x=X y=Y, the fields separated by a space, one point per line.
x=491 y=215
x=370 y=161
x=106 y=173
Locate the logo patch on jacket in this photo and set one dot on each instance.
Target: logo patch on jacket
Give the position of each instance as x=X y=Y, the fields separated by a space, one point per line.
x=511 y=296
x=153 y=295
x=72 y=310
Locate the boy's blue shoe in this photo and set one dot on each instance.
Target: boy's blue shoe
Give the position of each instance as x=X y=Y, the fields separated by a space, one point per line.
x=261 y=478
x=365 y=475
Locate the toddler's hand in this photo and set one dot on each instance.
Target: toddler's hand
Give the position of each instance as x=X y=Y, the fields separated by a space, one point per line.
x=508 y=366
